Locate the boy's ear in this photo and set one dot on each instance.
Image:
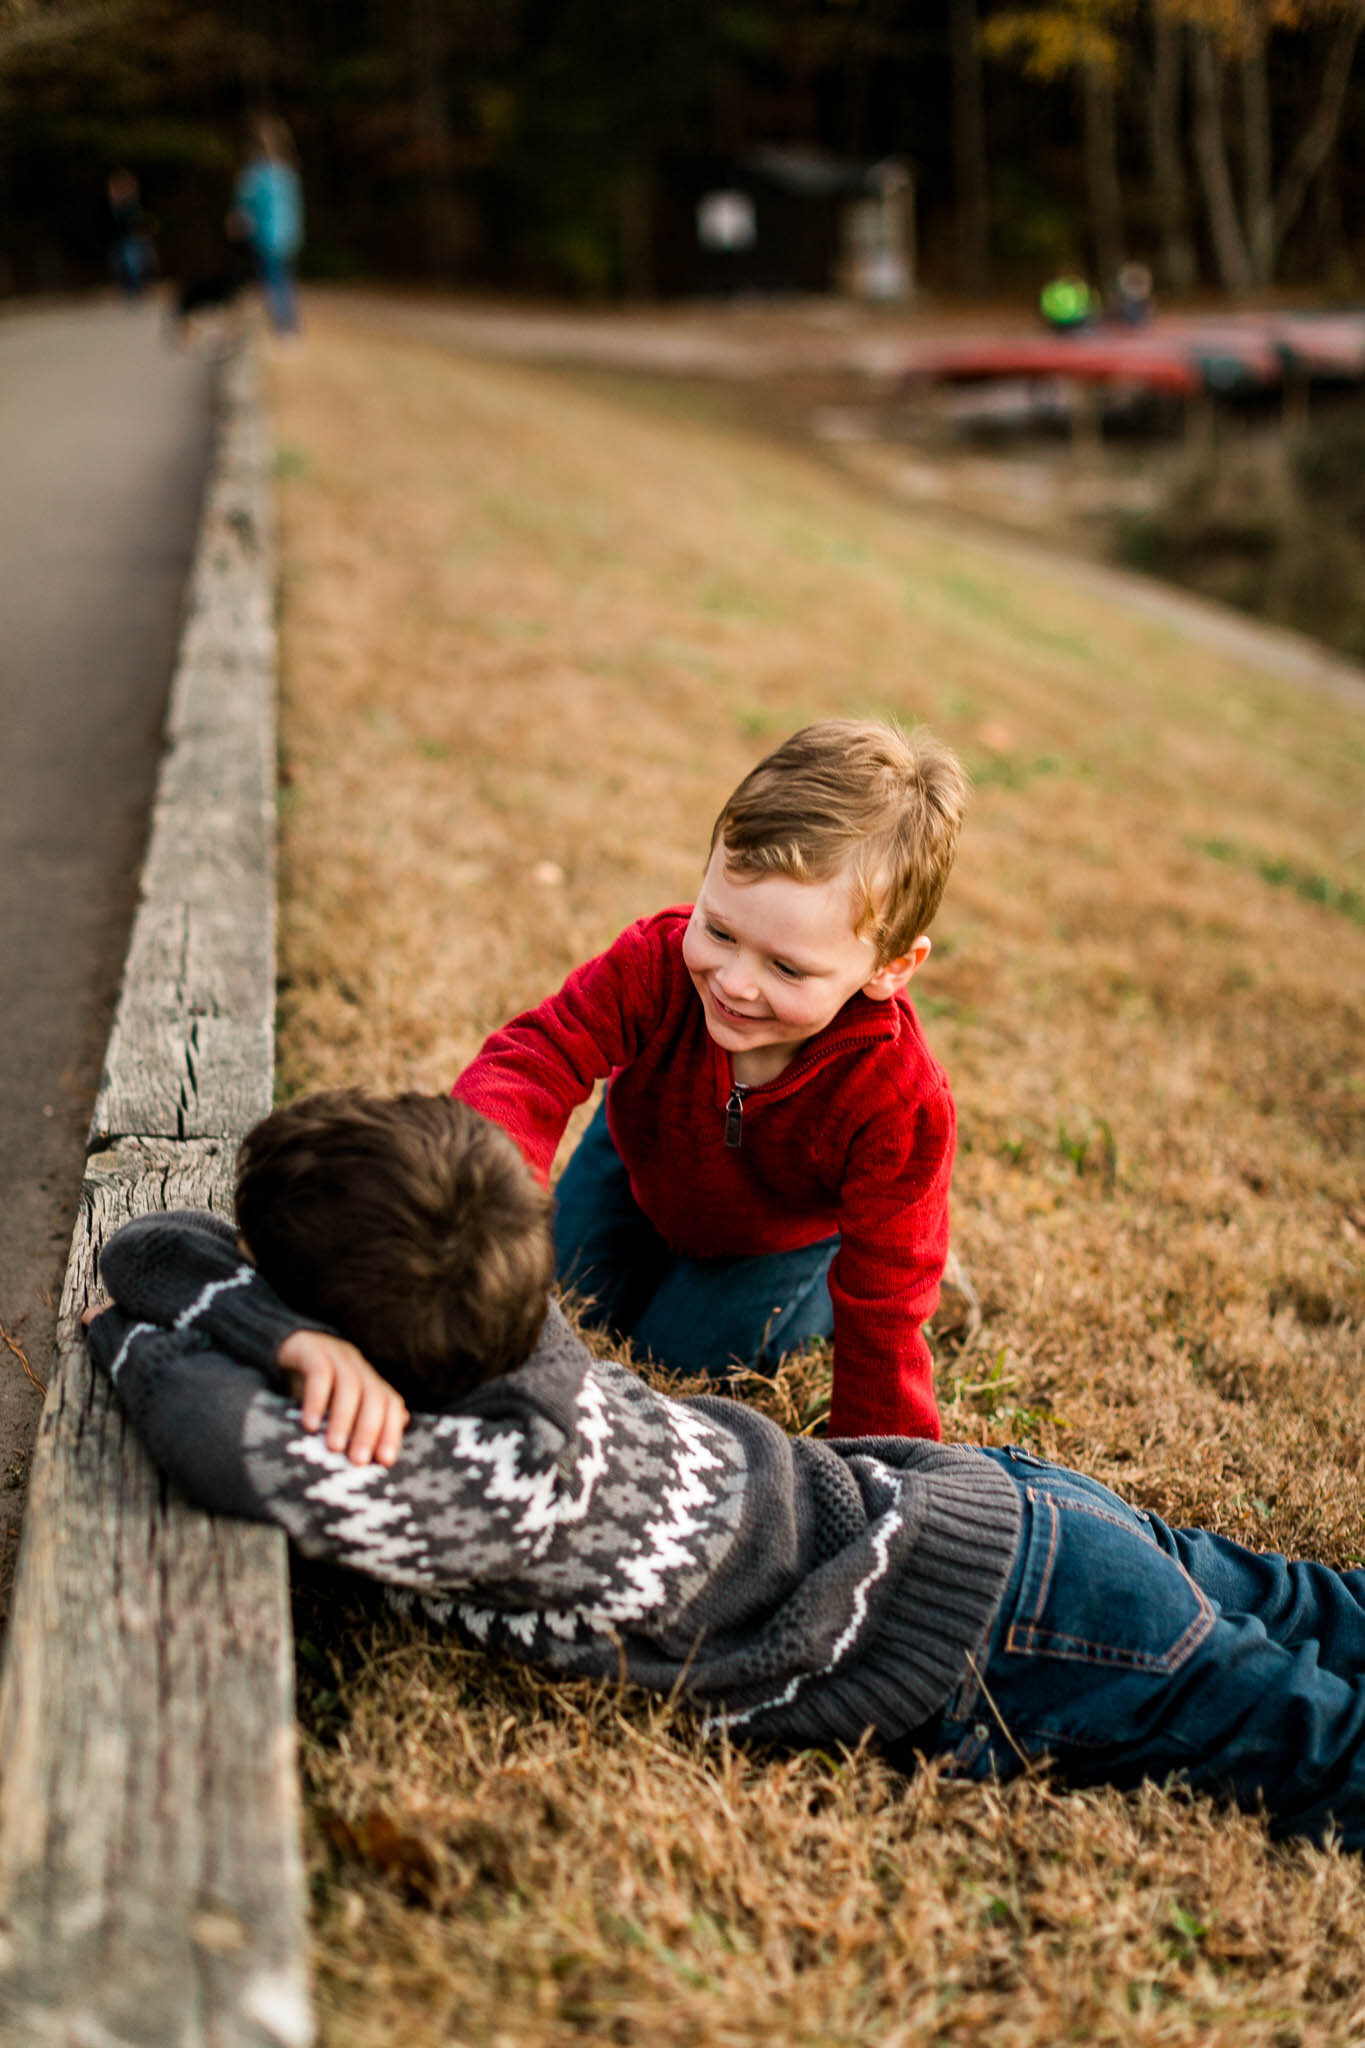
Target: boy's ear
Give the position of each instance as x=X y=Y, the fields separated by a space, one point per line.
x=891 y=977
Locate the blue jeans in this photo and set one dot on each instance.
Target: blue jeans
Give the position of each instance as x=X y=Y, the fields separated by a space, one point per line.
x=695 y=1315
x=1125 y=1649
x=277 y=282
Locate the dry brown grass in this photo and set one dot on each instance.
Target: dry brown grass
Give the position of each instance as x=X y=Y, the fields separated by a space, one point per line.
x=530 y=622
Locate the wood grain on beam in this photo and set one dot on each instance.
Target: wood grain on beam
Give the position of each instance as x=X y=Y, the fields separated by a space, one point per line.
x=151 y=1880
x=151 y=1886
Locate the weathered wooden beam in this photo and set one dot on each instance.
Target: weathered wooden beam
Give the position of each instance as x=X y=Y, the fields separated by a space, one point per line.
x=151 y=1881
x=151 y=1884
x=192 y=1046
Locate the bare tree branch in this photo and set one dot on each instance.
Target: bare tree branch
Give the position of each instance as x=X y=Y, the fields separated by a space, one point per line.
x=1210 y=151
x=1318 y=139
x=26 y=25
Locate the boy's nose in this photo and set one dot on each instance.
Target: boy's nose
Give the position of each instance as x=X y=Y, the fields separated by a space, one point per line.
x=736 y=982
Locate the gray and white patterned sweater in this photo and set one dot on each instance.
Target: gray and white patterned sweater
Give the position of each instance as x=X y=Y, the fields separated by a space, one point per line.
x=798 y=1591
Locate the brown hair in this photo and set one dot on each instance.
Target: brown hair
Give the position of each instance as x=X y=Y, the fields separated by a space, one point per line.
x=409 y=1223
x=271 y=136
x=861 y=793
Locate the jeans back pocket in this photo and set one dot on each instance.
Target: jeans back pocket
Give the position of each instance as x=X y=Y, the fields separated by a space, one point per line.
x=1094 y=1589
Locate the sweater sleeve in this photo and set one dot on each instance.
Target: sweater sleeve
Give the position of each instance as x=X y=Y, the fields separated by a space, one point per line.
x=531 y=1074
x=489 y=1501
x=182 y=1270
x=188 y=1404
x=885 y=1279
x=216 y=1427
x=486 y=1499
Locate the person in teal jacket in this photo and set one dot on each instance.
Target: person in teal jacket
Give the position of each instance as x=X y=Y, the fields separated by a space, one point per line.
x=268 y=205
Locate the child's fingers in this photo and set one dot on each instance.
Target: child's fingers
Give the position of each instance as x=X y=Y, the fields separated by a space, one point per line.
x=391 y=1435
x=318 y=1382
x=346 y=1398
x=364 y=1416
x=310 y=1362
x=368 y=1427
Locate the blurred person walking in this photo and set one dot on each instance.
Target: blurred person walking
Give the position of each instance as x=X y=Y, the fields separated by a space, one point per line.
x=132 y=252
x=268 y=209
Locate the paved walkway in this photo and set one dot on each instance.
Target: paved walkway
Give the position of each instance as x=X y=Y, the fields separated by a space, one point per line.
x=104 y=437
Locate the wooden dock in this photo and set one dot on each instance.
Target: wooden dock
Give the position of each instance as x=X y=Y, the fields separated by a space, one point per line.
x=1227 y=354
x=151 y=1877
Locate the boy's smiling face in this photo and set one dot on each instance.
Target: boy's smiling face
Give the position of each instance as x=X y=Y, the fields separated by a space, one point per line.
x=775 y=960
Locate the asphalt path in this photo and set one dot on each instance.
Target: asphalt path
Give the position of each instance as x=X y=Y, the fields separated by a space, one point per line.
x=104 y=442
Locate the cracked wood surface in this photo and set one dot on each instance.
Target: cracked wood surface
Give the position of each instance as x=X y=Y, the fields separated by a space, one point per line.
x=191 y=1050
x=151 y=1878
x=151 y=1882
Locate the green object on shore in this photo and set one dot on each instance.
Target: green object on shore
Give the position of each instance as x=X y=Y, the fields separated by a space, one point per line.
x=1066 y=301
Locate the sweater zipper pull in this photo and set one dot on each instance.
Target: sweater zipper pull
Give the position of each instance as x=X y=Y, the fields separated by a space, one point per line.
x=734 y=1118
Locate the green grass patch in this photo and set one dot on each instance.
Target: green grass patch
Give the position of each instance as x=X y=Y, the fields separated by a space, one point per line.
x=546 y=625
x=1310 y=884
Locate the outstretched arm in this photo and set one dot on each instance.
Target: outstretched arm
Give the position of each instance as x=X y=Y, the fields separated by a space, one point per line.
x=474 y=1503
x=885 y=1278
x=233 y=1444
x=531 y=1074
x=185 y=1271
x=188 y=1404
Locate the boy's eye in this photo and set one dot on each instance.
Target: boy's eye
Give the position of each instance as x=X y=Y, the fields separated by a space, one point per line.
x=789 y=973
x=713 y=931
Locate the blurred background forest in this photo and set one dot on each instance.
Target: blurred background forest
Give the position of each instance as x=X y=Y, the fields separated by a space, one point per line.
x=562 y=146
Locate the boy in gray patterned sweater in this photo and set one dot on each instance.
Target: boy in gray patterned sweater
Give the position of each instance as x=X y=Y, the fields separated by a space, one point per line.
x=971 y=1603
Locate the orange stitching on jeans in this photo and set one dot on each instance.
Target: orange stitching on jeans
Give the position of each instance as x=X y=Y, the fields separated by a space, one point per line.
x=1045 y=1581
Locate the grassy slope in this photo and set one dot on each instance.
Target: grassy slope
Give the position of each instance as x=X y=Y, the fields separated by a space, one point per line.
x=533 y=633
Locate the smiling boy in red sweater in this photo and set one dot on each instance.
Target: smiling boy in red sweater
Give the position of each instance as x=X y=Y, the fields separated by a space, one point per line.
x=772 y=1158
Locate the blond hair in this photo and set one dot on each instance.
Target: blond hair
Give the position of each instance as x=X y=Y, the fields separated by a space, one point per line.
x=858 y=794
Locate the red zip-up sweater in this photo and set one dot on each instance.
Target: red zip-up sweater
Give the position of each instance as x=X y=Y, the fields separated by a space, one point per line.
x=856 y=1136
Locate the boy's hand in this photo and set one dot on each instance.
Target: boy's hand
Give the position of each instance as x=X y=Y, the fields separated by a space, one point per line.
x=328 y=1377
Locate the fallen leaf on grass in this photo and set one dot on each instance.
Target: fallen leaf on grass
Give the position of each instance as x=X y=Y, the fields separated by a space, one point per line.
x=375 y=1838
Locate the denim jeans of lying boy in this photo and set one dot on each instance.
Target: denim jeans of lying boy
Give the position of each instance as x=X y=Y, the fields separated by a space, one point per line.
x=1125 y=1649
x=690 y=1314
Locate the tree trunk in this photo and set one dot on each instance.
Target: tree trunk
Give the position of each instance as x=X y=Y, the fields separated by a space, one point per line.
x=1318 y=140
x=969 y=150
x=1163 y=136
x=1257 y=210
x=431 y=122
x=256 y=46
x=1102 y=171
x=57 y=24
x=1210 y=149
x=857 y=77
x=635 y=200
x=1334 y=254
